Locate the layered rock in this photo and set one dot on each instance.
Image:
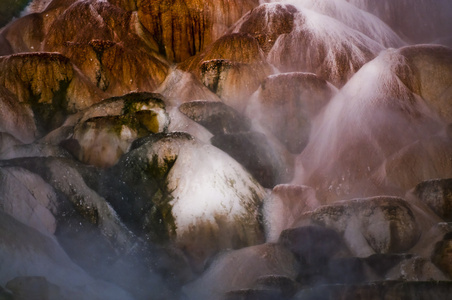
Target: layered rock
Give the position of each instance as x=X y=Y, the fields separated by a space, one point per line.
x=180 y=87
x=266 y=23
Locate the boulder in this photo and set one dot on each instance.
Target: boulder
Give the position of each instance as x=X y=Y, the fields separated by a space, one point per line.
x=379 y=291
x=106 y=130
x=202 y=205
x=416 y=268
x=371 y=225
x=283 y=285
x=217 y=117
x=437 y=194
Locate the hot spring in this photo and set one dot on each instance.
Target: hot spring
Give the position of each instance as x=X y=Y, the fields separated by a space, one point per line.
x=225 y=149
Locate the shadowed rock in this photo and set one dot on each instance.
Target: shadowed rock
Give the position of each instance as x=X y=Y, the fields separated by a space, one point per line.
x=371 y=225
x=441 y=256
x=31 y=253
x=437 y=194
x=217 y=117
x=10 y=9
x=253 y=151
x=285 y=286
x=379 y=291
x=315 y=248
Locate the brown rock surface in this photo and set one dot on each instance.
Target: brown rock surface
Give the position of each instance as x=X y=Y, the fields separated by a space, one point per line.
x=48 y=83
x=181 y=30
x=266 y=23
x=233 y=67
x=110 y=47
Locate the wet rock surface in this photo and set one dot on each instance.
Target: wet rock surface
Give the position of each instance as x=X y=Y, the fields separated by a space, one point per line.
x=216 y=149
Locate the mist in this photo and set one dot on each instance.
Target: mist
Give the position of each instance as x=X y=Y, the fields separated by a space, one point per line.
x=213 y=149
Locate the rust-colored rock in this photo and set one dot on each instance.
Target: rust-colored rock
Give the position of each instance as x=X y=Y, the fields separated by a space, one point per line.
x=233 y=67
x=48 y=83
x=110 y=47
x=266 y=23
x=184 y=28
